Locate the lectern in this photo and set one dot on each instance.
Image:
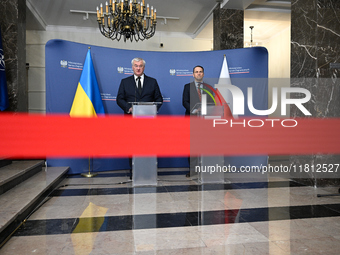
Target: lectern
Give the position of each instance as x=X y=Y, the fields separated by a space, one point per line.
x=144 y=169
x=207 y=169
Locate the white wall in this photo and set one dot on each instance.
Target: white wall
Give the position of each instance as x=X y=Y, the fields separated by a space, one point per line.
x=35 y=52
x=279 y=67
x=279 y=54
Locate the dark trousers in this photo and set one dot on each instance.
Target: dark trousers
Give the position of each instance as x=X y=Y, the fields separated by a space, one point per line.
x=130 y=164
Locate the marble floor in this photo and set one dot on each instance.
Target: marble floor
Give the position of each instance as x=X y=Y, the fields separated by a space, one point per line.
x=107 y=215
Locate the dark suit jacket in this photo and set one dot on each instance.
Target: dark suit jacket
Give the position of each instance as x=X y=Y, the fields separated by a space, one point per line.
x=128 y=92
x=190 y=97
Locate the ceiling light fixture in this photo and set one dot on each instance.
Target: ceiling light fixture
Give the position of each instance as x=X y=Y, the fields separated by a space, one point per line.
x=127 y=19
x=251 y=39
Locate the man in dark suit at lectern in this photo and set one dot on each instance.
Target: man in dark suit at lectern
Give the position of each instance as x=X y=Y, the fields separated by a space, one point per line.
x=193 y=91
x=192 y=96
x=138 y=88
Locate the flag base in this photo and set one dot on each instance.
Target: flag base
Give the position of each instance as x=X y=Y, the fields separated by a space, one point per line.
x=89 y=174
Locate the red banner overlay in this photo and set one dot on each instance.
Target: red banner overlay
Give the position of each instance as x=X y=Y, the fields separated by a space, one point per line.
x=37 y=136
x=265 y=136
x=56 y=136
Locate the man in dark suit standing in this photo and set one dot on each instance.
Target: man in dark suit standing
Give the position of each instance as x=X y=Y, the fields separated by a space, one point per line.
x=192 y=94
x=193 y=91
x=138 y=88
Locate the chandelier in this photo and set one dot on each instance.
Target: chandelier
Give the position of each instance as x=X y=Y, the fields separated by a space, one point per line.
x=127 y=19
x=251 y=44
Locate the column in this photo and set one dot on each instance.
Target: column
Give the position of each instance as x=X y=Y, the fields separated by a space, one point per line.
x=315 y=65
x=228 y=28
x=13 y=31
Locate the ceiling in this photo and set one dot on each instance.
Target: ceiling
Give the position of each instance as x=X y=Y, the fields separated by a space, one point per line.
x=192 y=17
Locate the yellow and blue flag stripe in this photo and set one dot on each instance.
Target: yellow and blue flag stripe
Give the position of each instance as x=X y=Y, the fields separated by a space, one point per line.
x=87 y=101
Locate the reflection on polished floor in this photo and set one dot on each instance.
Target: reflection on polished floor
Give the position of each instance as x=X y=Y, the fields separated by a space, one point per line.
x=106 y=215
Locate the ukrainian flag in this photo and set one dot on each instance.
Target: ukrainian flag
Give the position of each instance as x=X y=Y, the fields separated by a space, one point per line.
x=87 y=101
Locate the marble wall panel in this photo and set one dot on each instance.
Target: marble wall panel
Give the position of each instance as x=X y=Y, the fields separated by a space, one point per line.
x=228 y=29
x=315 y=42
x=303 y=39
x=13 y=31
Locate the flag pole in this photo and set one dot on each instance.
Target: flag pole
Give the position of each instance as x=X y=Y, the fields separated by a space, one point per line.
x=87 y=104
x=89 y=174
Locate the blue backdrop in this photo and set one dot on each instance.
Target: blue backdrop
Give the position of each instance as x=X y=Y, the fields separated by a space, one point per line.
x=64 y=62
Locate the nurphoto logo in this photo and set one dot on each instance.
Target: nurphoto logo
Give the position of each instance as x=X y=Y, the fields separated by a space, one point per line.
x=238 y=107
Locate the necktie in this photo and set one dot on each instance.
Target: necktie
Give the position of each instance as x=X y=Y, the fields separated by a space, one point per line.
x=139 y=86
x=199 y=91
